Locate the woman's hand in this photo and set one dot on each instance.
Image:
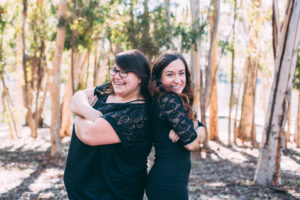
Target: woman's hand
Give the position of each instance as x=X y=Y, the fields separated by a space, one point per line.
x=82 y=102
x=92 y=100
x=195 y=145
x=92 y=115
x=173 y=136
x=201 y=134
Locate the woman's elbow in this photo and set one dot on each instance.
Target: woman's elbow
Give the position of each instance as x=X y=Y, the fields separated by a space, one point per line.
x=86 y=137
x=88 y=141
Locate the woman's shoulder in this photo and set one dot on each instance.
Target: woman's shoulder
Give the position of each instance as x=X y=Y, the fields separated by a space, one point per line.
x=103 y=89
x=166 y=97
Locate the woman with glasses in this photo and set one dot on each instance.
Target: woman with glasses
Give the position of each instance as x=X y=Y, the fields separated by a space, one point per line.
x=172 y=91
x=107 y=157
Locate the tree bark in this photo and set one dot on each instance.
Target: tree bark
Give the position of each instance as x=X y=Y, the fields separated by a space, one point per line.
x=55 y=86
x=288 y=130
x=195 y=54
x=275 y=25
x=246 y=128
x=297 y=127
x=267 y=171
x=213 y=103
x=232 y=74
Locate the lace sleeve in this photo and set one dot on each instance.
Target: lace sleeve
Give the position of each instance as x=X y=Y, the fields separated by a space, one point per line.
x=129 y=123
x=171 y=109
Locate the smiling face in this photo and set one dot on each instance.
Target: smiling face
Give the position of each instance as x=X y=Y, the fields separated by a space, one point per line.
x=126 y=87
x=173 y=76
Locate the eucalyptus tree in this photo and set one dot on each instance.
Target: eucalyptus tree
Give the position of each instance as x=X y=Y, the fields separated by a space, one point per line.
x=297 y=87
x=84 y=28
x=246 y=131
x=213 y=53
x=195 y=51
x=55 y=76
x=268 y=166
x=232 y=72
x=6 y=100
x=149 y=30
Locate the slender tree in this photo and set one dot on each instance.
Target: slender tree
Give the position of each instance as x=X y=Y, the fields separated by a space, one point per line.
x=232 y=72
x=7 y=103
x=297 y=87
x=297 y=127
x=55 y=76
x=246 y=130
x=213 y=102
x=268 y=166
x=195 y=52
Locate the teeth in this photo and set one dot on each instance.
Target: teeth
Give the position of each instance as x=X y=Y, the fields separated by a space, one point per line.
x=175 y=87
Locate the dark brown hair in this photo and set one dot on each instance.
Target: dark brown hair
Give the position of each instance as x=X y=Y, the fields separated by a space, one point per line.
x=156 y=87
x=134 y=61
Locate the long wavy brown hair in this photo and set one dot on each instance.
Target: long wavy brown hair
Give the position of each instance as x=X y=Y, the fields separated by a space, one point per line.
x=156 y=87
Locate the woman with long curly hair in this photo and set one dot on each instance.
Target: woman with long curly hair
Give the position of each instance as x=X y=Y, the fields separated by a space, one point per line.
x=172 y=116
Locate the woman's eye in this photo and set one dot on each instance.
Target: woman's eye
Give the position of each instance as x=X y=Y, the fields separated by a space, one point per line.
x=169 y=75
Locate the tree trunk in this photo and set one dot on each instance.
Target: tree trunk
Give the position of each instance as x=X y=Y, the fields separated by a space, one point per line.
x=213 y=103
x=19 y=108
x=297 y=127
x=66 y=112
x=213 y=40
x=195 y=54
x=288 y=130
x=205 y=90
x=8 y=106
x=275 y=25
x=248 y=103
x=267 y=171
x=55 y=86
x=27 y=91
x=232 y=75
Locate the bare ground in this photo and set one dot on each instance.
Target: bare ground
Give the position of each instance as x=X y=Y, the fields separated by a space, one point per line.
x=28 y=172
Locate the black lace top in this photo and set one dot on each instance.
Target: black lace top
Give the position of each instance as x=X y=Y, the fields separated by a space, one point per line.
x=115 y=170
x=169 y=175
x=171 y=109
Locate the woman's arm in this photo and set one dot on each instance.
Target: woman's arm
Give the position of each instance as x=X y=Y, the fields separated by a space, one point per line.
x=171 y=109
x=195 y=145
x=99 y=132
x=80 y=104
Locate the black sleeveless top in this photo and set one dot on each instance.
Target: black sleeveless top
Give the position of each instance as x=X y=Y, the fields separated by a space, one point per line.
x=114 y=171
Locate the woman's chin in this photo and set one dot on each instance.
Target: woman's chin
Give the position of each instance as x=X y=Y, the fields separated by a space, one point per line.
x=177 y=91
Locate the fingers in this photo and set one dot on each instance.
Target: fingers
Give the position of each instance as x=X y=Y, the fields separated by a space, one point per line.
x=173 y=136
x=93 y=100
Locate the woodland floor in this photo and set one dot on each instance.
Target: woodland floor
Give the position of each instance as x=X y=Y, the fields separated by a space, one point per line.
x=28 y=172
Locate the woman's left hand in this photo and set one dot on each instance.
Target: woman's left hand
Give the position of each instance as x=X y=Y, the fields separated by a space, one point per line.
x=173 y=136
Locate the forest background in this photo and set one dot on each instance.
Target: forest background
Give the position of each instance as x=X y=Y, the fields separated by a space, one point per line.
x=245 y=60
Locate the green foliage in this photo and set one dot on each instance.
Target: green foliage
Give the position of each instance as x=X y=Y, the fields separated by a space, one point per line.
x=227 y=46
x=86 y=23
x=2 y=27
x=297 y=73
x=189 y=36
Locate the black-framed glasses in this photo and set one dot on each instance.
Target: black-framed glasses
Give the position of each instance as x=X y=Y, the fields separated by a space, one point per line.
x=122 y=73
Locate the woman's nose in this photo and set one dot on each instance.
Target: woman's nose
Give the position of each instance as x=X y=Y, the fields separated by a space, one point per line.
x=177 y=79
